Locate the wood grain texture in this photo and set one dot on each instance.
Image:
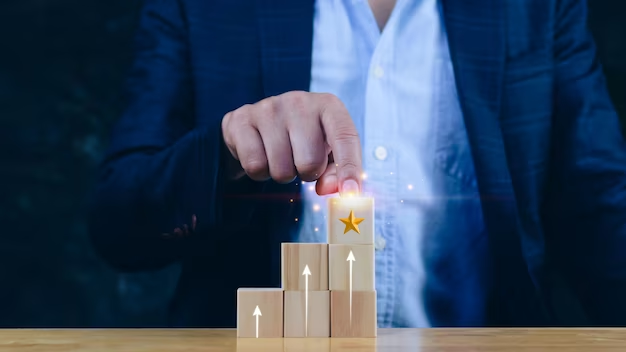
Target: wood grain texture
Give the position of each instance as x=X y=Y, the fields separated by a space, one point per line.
x=255 y=345
x=318 y=316
x=388 y=340
x=363 y=320
x=363 y=274
x=270 y=303
x=339 y=208
x=312 y=344
x=295 y=256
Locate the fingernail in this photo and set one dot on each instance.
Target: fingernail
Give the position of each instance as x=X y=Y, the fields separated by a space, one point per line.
x=350 y=187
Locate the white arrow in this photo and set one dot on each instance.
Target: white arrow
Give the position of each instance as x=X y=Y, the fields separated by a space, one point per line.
x=257 y=313
x=306 y=274
x=350 y=259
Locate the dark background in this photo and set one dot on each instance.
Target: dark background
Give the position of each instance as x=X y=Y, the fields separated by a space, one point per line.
x=62 y=64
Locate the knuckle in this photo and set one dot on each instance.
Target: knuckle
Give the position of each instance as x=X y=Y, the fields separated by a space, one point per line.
x=297 y=101
x=293 y=106
x=329 y=99
x=347 y=164
x=296 y=97
x=237 y=117
x=266 y=111
x=283 y=175
x=347 y=168
x=255 y=167
x=346 y=135
x=267 y=106
x=310 y=168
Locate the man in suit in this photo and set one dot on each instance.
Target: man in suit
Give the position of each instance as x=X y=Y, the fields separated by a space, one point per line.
x=483 y=128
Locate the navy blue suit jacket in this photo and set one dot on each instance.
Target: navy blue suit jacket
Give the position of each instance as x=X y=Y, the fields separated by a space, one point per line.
x=546 y=143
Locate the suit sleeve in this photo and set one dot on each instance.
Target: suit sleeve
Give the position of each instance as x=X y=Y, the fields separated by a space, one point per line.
x=591 y=155
x=159 y=193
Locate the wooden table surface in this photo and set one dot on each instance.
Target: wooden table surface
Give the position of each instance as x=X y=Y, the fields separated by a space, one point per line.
x=415 y=340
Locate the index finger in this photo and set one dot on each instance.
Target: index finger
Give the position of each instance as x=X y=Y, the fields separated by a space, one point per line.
x=343 y=138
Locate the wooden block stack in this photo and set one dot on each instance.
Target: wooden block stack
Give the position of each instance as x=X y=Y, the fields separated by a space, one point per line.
x=328 y=289
x=304 y=269
x=351 y=267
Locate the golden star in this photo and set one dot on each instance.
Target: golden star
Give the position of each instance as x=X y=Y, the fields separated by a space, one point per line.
x=352 y=223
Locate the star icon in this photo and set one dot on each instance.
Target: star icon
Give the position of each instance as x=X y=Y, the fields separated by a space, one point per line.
x=351 y=223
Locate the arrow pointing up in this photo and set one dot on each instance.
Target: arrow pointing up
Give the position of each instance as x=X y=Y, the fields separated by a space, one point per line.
x=350 y=259
x=306 y=274
x=257 y=313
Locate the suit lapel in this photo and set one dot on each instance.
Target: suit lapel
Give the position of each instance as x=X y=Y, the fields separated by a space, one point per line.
x=286 y=37
x=476 y=39
x=476 y=36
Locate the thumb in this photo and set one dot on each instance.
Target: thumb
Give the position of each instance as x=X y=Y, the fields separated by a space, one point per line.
x=327 y=183
x=330 y=182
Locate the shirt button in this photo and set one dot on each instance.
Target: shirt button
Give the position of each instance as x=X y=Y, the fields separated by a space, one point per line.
x=379 y=72
x=379 y=243
x=380 y=153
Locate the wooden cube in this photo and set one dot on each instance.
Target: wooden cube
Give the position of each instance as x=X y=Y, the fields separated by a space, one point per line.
x=295 y=257
x=350 y=220
x=356 y=320
x=362 y=259
x=262 y=305
x=303 y=321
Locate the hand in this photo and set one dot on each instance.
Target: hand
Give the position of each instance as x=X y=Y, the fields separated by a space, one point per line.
x=310 y=135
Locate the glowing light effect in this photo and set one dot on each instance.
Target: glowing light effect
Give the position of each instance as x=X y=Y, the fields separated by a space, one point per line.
x=409 y=186
x=364 y=176
x=316 y=207
x=296 y=220
x=311 y=187
x=316 y=229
